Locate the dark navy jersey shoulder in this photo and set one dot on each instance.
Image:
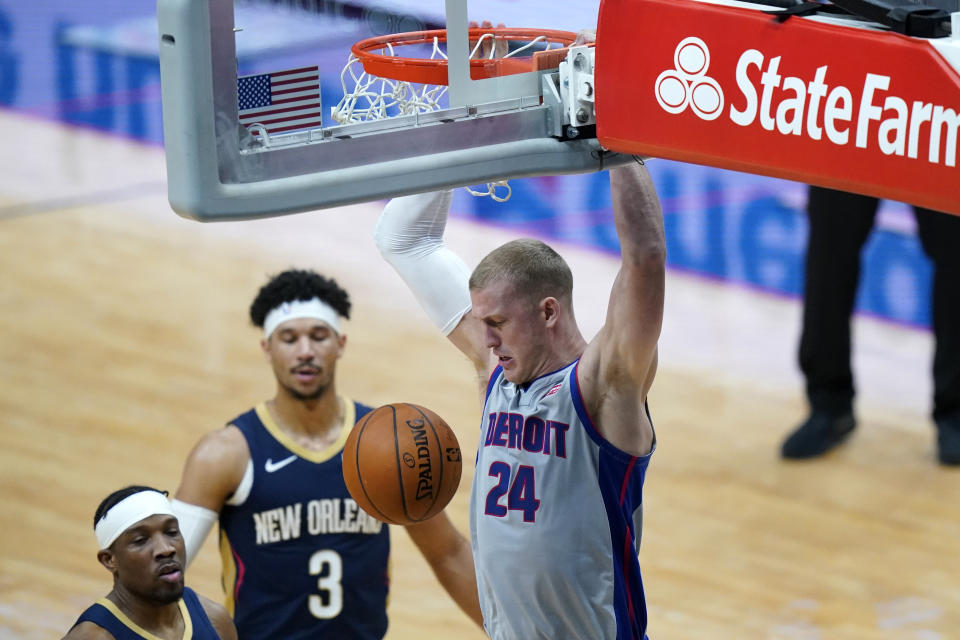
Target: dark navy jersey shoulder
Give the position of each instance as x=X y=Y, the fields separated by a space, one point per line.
x=300 y=558
x=105 y=614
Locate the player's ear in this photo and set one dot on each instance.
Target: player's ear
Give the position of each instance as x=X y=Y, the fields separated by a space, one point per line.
x=341 y=342
x=108 y=560
x=550 y=310
x=265 y=347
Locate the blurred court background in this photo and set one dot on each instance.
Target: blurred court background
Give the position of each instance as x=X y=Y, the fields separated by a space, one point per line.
x=125 y=337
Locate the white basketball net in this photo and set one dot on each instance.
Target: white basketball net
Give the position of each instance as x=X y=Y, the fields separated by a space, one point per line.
x=367 y=97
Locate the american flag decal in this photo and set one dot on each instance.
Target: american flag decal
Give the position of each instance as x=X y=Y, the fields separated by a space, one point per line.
x=281 y=100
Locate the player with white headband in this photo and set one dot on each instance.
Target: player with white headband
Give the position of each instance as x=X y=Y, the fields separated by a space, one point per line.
x=140 y=545
x=301 y=559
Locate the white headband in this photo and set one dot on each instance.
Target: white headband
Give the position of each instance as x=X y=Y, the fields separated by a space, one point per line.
x=314 y=308
x=129 y=512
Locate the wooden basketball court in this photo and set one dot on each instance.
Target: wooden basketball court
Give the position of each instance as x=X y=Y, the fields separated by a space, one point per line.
x=125 y=337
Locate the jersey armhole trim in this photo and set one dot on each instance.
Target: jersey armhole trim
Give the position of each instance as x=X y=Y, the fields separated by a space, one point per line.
x=242 y=492
x=592 y=431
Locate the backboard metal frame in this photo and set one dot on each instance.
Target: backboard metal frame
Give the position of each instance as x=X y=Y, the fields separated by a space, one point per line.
x=495 y=128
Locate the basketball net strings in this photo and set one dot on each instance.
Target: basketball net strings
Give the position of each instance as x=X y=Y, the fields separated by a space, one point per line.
x=378 y=98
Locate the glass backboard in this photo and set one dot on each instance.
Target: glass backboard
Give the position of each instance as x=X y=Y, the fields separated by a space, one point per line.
x=222 y=166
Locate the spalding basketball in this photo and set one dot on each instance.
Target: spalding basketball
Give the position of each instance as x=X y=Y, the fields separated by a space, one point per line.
x=401 y=463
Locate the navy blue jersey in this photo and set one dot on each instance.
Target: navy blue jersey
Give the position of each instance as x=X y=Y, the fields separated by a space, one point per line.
x=300 y=558
x=196 y=625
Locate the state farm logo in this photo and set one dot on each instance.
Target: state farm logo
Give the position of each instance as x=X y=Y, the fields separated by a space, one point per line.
x=833 y=103
x=688 y=84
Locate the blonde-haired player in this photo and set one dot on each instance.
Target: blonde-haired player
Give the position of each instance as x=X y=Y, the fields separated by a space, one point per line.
x=565 y=435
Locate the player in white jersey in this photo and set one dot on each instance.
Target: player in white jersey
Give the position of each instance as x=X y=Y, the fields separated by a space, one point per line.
x=565 y=435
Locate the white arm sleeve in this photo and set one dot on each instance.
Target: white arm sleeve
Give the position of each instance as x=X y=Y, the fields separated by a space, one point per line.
x=409 y=235
x=195 y=524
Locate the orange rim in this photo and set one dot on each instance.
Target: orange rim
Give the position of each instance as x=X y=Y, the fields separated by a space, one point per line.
x=427 y=71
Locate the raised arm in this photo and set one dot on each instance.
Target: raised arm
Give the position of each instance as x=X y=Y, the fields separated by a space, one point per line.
x=449 y=555
x=635 y=312
x=618 y=366
x=409 y=236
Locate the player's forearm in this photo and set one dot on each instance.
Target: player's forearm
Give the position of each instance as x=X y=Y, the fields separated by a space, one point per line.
x=456 y=575
x=637 y=213
x=409 y=236
x=635 y=312
x=450 y=558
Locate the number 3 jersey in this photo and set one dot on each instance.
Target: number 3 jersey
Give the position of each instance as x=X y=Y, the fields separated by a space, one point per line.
x=300 y=558
x=555 y=517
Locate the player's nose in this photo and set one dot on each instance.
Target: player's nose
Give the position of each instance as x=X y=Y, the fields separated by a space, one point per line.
x=304 y=349
x=163 y=546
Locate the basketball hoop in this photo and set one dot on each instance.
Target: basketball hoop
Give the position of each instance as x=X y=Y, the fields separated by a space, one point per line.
x=378 y=83
x=433 y=70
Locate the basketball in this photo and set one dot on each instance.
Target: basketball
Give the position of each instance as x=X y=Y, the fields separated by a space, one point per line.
x=401 y=463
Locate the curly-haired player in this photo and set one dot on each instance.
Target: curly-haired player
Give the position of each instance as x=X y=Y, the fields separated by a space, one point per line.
x=301 y=560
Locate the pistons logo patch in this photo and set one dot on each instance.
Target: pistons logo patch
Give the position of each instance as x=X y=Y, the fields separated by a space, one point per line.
x=553 y=389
